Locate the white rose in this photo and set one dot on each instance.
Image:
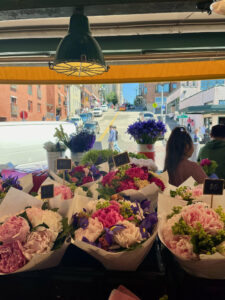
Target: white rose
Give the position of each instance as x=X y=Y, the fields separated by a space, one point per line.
x=127 y=236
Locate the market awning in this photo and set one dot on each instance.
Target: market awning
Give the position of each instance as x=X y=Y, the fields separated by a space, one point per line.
x=205 y=109
x=119 y=73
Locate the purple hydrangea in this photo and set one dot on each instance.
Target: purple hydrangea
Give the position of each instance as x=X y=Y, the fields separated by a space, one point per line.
x=147 y=132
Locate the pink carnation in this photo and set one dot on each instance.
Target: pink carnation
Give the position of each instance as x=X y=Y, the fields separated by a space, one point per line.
x=137 y=172
x=11 y=257
x=207 y=217
x=14 y=228
x=87 y=179
x=205 y=162
x=126 y=185
x=63 y=190
x=108 y=216
x=197 y=192
x=108 y=178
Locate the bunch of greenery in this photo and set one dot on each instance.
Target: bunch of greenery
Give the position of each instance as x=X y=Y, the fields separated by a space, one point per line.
x=97 y=157
x=137 y=155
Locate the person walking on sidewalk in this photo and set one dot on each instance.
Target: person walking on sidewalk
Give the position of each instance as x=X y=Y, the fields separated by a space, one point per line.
x=116 y=147
x=112 y=137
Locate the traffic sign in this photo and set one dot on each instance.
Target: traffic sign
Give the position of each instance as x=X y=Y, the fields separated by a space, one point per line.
x=154 y=105
x=23 y=115
x=163 y=106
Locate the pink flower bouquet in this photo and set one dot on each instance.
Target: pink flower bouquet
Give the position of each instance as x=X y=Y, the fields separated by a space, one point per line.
x=209 y=166
x=107 y=228
x=195 y=234
x=31 y=236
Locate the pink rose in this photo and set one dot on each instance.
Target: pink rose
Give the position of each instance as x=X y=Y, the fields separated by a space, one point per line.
x=39 y=242
x=207 y=217
x=11 y=257
x=14 y=228
x=63 y=190
x=108 y=216
x=91 y=232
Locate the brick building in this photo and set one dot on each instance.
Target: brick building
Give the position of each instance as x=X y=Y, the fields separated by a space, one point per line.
x=37 y=101
x=152 y=93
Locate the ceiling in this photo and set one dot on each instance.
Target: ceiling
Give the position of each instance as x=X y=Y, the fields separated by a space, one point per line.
x=129 y=32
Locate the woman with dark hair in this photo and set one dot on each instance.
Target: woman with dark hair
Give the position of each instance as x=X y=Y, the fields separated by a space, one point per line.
x=179 y=149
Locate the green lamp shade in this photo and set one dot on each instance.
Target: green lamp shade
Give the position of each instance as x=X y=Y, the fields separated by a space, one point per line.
x=78 y=53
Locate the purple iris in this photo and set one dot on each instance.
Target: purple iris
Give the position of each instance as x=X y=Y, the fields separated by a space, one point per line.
x=109 y=232
x=11 y=182
x=84 y=239
x=95 y=172
x=145 y=205
x=148 y=223
x=80 y=222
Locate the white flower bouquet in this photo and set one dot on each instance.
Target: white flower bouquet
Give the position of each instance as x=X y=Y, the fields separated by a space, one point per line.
x=32 y=236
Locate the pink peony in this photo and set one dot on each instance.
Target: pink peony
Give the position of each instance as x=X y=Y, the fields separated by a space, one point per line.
x=126 y=185
x=108 y=178
x=108 y=216
x=64 y=191
x=87 y=179
x=197 y=191
x=207 y=217
x=11 y=257
x=14 y=228
x=205 y=162
x=39 y=242
x=91 y=232
x=137 y=173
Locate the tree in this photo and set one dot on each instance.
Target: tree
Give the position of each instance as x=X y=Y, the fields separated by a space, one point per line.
x=112 y=98
x=139 y=101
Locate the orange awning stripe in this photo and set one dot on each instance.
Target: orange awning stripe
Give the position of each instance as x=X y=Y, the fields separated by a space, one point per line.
x=119 y=73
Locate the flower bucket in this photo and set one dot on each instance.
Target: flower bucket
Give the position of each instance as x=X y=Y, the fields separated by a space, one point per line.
x=76 y=157
x=52 y=157
x=147 y=149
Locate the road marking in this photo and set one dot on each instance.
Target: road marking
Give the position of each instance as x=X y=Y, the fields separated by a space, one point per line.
x=107 y=128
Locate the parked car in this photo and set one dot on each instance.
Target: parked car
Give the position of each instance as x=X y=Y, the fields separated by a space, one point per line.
x=77 y=121
x=146 y=116
x=97 y=112
x=104 y=107
x=92 y=126
x=122 y=108
x=86 y=117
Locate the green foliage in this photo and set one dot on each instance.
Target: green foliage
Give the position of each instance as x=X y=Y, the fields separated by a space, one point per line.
x=209 y=170
x=175 y=210
x=125 y=210
x=112 y=98
x=101 y=204
x=181 y=228
x=183 y=192
x=137 y=155
x=106 y=192
x=93 y=157
x=221 y=213
x=62 y=136
x=66 y=232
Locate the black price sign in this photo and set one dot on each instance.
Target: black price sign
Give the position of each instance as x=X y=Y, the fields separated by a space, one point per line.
x=213 y=187
x=64 y=164
x=121 y=159
x=47 y=191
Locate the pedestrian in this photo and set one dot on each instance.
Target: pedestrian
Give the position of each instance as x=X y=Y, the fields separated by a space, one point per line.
x=43 y=118
x=215 y=149
x=179 y=149
x=189 y=128
x=112 y=137
x=116 y=147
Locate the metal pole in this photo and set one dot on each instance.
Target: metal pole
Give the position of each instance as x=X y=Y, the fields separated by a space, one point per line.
x=162 y=103
x=67 y=102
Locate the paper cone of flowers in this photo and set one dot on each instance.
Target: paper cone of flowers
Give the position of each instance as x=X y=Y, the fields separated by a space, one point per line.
x=118 y=233
x=32 y=237
x=194 y=234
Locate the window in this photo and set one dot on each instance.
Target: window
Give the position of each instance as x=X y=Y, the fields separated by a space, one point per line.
x=30 y=106
x=221 y=102
x=145 y=91
x=174 y=85
x=29 y=89
x=13 y=87
x=38 y=107
x=59 y=99
x=207 y=84
x=14 y=108
x=166 y=88
x=158 y=100
x=39 y=92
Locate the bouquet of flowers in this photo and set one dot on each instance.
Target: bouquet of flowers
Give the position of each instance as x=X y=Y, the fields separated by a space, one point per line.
x=6 y=183
x=209 y=166
x=81 y=142
x=195 y=234
x=128 y=177
x=32 y=236
x=106 y=229
x=147 y=132
x=186 y=193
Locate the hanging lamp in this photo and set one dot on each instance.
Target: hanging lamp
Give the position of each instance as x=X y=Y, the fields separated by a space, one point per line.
x=78 y=53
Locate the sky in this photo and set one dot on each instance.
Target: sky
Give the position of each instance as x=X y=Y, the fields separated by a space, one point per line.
x=130 y=92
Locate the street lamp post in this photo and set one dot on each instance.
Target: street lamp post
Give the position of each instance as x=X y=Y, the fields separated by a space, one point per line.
x=162 y=86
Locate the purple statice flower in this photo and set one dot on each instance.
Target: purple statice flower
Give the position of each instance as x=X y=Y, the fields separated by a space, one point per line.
x=148 y=223
x=80 y=222
x=82 y=141
x=146 y=132
x=10 y=182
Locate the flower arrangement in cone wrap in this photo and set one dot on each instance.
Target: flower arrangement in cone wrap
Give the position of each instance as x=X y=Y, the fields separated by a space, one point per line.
x=209 y=166
x=186 y=193
x=114 y=225
x=6 y=183
x=193 y=230
x=32 y=231
x=125 y=178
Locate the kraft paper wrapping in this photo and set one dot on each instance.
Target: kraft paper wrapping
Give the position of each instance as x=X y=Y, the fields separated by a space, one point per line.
x=26 y=182
x=14 y=202
x=123 y=261
x=209 y=266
